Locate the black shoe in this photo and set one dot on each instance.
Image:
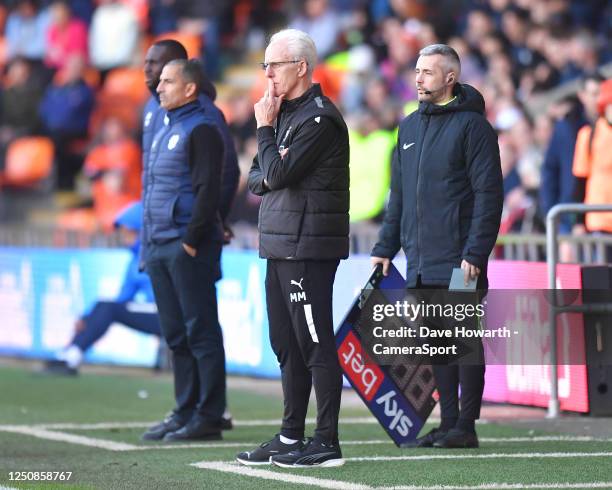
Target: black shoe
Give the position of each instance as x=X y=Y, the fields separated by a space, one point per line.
x=427 y=440
x=314 y=454
x=158 y=431
x=457 y=438
x=59 y=368
x=195 y=430
x=265 y=451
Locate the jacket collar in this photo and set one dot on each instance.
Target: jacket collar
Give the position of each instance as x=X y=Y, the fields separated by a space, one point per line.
x=311 y=93
x=184 y=111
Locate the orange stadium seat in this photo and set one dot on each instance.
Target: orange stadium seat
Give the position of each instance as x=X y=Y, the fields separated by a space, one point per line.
x=92 y=77
x=3 y=16
x=192 y=42
x=122 y=107
x=29 y=160
x=127 y=82
x=78 y=220
x=331 y=80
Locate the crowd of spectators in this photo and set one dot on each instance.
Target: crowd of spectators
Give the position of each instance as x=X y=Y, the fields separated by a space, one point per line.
x=60 y=57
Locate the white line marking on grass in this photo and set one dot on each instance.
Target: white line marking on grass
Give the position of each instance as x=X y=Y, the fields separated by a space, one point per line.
x=97 y=426
x=70 y=438
x=482 y=456
x=545 y=439
x=235 y=469
x=239 y=423
x=191 y=445
x=8 y=488
x=506 y=486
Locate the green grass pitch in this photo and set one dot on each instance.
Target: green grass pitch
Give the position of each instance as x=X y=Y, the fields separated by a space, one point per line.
x=32 y=403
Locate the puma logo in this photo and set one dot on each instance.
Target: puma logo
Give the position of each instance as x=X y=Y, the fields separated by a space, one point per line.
x=298 y=284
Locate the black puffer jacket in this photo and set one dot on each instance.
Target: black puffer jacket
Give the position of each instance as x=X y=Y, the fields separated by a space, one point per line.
x=446 y=190
x=304 y=211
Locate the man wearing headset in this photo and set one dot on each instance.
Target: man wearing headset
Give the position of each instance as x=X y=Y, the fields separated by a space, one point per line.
x=444 y=211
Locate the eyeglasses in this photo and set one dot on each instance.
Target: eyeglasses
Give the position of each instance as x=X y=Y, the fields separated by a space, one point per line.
x=275 y=64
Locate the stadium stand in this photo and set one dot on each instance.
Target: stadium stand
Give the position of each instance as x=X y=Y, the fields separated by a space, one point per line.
x=525 y=57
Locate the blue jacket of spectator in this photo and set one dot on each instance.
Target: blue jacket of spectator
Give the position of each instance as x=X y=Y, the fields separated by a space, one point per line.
x=168 y=192
x=67 y=108
x=134 y=281
x=558 y=181
x=27 y=36
x=154 y=119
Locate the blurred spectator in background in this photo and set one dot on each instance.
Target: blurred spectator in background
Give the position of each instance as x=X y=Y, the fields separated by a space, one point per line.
x=114 y=36
x=397 y=68
x=162 y=16
x=66 y=36
x=530 y=153
x=378 y=101
x=320 y=22
x=479 y=26
x=82 y=9
x=114 y=167
x=515 y=200
x=246 y=205
x=584 y=52
x=26 y=29
x=65 y=111
x=19 y=101
x=203 y=19
x=371 y=146
x=242 y=127
x=514 y=51
x=136 y=286
x=559 y=185
x=360 y=65
x=593 y=162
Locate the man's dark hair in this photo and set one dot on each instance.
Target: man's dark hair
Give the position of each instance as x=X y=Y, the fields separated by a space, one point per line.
x=191 y=71
x=176 y=51
x=594 y=76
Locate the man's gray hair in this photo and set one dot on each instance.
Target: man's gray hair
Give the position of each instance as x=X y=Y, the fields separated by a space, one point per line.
x=300 y=46
x=451 y=58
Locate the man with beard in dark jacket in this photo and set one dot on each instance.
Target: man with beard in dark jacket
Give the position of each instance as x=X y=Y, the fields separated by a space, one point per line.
x=444 y=211
x=301 y=170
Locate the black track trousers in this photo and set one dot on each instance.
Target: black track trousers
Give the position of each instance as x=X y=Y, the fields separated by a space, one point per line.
x=299 y=302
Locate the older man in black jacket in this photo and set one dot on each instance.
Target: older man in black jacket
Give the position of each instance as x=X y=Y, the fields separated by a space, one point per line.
x=444 y=211
x=301 y=170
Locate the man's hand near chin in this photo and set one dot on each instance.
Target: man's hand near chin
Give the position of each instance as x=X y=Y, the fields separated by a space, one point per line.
x=267 y=108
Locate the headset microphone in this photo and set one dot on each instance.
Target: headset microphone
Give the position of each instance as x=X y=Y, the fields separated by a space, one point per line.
x=429 y=92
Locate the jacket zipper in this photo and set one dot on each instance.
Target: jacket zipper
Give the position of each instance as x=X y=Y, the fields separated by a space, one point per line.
x=418 y=199
x=153 y=156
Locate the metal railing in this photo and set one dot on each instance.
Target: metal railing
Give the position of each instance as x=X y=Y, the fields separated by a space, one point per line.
x=363 y=236
x=552 y=256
